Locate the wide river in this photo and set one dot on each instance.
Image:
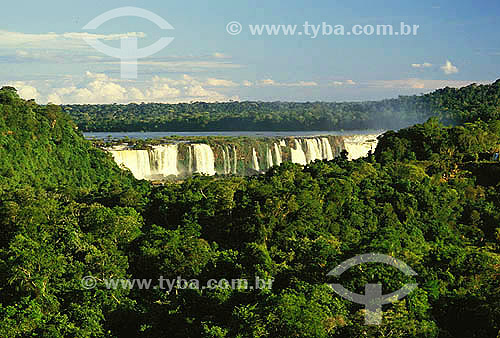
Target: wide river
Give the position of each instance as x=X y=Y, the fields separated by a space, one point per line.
x=151 y=135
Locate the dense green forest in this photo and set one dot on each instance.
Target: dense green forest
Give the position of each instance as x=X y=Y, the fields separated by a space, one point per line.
x=429 y=195
x=451 y=105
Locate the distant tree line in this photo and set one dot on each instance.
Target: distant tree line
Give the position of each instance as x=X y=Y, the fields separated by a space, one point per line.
x=452 y=105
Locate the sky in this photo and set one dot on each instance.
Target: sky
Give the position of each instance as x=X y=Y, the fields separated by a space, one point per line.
x=44 y=55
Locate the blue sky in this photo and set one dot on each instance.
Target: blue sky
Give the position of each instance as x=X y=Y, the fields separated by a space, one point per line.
x=42 y=52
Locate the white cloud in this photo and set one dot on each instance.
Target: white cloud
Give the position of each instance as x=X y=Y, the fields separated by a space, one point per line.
x=197 y=92
x=342 y=83
x=98 y=88
x=449 y=68
x=301 y=84
x=56 y=41
x=247 y=83
x=158 y=91
x=26 y=91
x=270 y=82
x=422 y=65
x=212 y=82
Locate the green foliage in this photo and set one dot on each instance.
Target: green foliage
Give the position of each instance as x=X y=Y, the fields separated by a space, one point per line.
x=429 y=196
x=40 y=146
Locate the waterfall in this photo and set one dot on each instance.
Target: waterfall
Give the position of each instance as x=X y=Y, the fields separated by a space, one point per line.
x=235 y=165
x=313 y=151
x=163 y=160
x=255 y=160
x=225 y=160
x=157 y=163
x=135 y=160
x=327 y=149
x=277 y=153
x=298 y=155
x=190 y=163
x=269 y=158
x=358 y=145
x=204 y=160
x=226 y=157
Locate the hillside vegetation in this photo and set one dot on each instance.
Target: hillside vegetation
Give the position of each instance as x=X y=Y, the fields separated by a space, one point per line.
x=429 y=195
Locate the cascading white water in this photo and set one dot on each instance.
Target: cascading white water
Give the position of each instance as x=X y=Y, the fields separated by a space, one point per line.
x=358 y=145
x=277 y=154
x=159 y=162
x=203 y=159
x=226 y=158
x=190 y=161
x=298 y=155
x=235 y=163
x=255 y=160
x=269 y=158
x=135 y=160
x=313 y=150
x=327 y=152
x=225 y=161
x=163 y=160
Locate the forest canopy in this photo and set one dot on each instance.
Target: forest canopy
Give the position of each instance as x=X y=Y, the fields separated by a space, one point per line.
x=429 y=195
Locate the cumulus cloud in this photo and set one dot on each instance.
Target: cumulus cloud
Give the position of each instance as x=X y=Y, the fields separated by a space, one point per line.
x=25 y=90
x=421 y=65
x=213 y=82
x=247 y=83
x=198 y=93
x=98 y=88
x=449 y=68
